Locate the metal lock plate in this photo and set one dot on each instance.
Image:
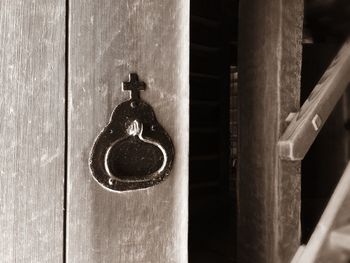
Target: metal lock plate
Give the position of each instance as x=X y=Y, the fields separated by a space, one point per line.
x=133 y=151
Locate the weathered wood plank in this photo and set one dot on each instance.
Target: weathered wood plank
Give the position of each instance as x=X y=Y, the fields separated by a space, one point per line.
x=32 y=110
x=307 y=123
x=269 y=59
x=109 y=39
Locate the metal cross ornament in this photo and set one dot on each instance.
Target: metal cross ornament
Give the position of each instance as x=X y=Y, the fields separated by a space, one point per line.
x=134 y=86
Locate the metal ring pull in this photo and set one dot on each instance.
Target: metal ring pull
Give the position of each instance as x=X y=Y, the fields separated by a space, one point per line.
x=135 y=129
x=133 y=151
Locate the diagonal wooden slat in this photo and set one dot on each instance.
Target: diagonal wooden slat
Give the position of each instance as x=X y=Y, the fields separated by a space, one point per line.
x=307 y=123
x=324 y=244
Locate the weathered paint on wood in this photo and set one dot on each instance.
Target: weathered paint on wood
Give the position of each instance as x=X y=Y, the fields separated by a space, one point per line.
x=307 y=123
x=32 y=110
x=108 y=39
x=269 y=59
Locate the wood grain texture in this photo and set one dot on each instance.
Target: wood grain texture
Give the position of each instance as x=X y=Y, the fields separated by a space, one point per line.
x=32 y=110
x=109 y=39
x=269 y=59
x=307 y=123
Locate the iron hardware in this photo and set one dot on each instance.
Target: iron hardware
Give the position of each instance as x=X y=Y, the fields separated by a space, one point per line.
x=133 y=151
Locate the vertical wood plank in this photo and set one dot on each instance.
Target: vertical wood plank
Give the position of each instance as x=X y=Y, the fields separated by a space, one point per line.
x=108 y=39
x=269 y=60
x=32 y=114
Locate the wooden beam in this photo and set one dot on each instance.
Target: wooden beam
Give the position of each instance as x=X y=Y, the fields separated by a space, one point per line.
x=269 y=59
x=108 y=40
x=32 y=114
x=306 y=124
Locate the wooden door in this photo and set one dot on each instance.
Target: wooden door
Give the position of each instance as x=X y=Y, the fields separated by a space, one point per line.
x=62 y=66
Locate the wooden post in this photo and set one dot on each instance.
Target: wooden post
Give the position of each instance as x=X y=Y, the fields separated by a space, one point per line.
x=32 y=110
x=108 y=40
x=269 y=59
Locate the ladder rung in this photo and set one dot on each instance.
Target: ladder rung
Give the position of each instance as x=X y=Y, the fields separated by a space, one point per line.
x=205 y=76
x=206 y=157
x=203 y=48
x=205 y=21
